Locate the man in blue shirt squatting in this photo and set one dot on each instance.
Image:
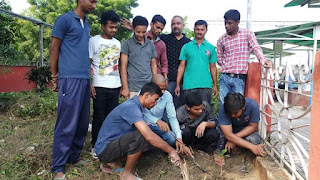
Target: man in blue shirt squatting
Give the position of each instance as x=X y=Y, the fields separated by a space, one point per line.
x=70 y=47
x=153 y=117
x=125 y=133
x=239 y=120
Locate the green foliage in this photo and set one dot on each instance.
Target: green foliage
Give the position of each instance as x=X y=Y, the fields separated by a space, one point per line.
x=9 y=32
x=28 y=104
x=40 y=76
x=188 y=32
x=215 y=102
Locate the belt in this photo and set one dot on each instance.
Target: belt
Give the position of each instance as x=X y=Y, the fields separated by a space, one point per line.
x=241 y=76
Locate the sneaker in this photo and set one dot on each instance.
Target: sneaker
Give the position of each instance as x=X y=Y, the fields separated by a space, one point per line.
x=93 y=154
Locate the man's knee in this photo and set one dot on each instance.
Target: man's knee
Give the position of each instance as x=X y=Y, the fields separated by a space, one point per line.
x=253 y=138
x=211 y=134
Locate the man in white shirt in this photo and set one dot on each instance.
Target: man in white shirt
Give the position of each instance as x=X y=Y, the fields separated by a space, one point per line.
x=104 y=53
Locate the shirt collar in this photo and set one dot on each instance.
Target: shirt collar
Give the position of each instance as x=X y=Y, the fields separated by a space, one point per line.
x=135 y=40
x=149 y=37
x=195 y=42
x=76 y=15
x=136 y=100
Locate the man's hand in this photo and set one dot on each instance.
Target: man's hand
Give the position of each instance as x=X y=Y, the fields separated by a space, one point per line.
x=215 y=91
x=230 y=145
x=267 y=64
x=177 y=90
x=200 y=129
x=125 y=93
x=126 y=24
x=174 y=157
x=54 y=81
x=258 y=150
x=163 y=125
x=93 y=92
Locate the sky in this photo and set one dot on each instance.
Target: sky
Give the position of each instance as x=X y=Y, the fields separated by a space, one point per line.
x=266 y=14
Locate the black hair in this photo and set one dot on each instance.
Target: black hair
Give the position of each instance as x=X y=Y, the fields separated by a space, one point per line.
x=139 y=21
x=233 y=102
x=158 y=18
x=201 y=22
x=232 y=14
x=109 y=16
x=193 y=99
x=152 y=88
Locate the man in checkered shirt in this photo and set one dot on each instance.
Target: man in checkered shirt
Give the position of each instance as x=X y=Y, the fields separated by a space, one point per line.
x=233 y=53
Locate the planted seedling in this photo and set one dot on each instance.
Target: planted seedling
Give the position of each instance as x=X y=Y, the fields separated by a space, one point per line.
x=221 y=159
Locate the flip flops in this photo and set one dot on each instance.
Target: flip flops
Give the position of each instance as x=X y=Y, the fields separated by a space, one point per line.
x=111 y=170
x=61 y=178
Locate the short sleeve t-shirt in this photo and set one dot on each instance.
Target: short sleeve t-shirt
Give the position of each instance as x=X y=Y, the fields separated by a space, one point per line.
x=74 y=48
x=251 y=114
x=139 y=62
x=119 y=122
x=197 y=72
x=105 y=54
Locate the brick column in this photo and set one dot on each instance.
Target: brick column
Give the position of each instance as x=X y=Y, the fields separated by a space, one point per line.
x=314 y=161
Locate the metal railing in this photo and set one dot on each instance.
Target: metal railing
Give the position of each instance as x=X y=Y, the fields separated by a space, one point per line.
x=285 y=126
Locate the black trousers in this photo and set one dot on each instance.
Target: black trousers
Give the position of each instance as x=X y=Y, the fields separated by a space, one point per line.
x=210 y=136
x=106 y=100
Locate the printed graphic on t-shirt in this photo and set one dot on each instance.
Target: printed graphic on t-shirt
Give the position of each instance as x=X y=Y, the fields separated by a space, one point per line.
x=109 y=58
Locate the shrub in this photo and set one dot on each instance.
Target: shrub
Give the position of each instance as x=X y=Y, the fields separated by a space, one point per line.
x=40 y=76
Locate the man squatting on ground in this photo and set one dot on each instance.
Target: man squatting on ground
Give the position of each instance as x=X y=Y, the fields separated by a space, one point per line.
x=153 y=117
x=104 y=54
x=125 y=133
x=70 y=48
x=197 y=122
x=239 y=122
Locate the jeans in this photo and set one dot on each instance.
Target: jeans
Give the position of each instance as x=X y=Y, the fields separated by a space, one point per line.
x=106 y=100
x=169 y=137
x=253 y=138
x=177 y=100
x=229 y=84
x=210 y=136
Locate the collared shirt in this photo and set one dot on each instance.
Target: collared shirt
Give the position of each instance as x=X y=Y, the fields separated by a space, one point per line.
x=139 y=62
x=234 y=53
x=120 y=121
x=251 y=114
x=164 y=103
x=173 y=51
x=197 y=73
x=74 y=48
x=162 y=61
x=206 y=116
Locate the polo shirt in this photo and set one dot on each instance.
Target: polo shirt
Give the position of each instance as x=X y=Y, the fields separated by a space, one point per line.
x=173 y=51
x=139 y=62
x=198 y=58
x=119 y=122
x=251 y=114
x=74 y=48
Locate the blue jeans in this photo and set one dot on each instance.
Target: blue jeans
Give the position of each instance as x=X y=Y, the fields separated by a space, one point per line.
x=177 y=100
x=169 y=137
x=229 y=84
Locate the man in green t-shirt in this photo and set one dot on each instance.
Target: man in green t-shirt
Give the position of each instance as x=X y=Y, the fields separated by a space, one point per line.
x=198 y=65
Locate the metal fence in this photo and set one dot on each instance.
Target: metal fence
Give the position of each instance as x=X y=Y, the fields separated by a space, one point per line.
x=285 y=106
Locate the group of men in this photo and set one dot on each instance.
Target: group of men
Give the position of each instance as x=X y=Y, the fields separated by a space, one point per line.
x=167 y=80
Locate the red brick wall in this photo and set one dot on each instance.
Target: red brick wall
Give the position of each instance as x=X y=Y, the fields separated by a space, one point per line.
x=13 y=78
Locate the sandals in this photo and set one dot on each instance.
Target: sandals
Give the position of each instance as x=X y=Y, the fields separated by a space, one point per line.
x=111 y=170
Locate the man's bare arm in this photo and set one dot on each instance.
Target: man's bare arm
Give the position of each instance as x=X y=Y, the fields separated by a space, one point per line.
x=54 y=58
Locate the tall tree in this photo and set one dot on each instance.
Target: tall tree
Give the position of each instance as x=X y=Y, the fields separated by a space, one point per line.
x=9 y=32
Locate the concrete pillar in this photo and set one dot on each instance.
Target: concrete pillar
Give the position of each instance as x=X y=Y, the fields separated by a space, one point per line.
x=314 y=168
x=252 y=89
